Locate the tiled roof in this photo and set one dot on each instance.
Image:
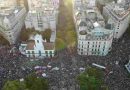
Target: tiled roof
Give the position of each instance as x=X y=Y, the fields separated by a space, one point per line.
x=30 y=45
x=48 y=46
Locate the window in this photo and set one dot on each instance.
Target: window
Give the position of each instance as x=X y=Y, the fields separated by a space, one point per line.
x=46 y=53
x=33 y=54
x=28 y=52
x=81 y=53
x=39 y=53
x=40 y=25
x=50 y=52
x=88 y=46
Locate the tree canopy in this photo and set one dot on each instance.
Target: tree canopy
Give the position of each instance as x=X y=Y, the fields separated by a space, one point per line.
x=91 y=79
x=3 y=41
x=25 y=34
x=31 y=82
x=34 y=83
x=46 y=34
x=66 y=33
x=14 y=85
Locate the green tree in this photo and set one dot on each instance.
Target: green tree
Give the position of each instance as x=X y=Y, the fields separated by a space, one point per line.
x=3 y=41
x=60 y=44
x=34 y=83
x=14 y=85
x=25 y=34
x=31 y=82
x=92 y=79
x=46 y=34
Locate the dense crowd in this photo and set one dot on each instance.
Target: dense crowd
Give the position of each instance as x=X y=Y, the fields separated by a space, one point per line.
x=115 y=75
x=62 y=70
x=10 y=64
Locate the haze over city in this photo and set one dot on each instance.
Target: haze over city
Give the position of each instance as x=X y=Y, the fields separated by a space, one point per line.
x=64 y=44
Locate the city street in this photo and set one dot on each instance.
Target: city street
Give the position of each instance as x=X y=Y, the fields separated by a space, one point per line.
x=63 y=69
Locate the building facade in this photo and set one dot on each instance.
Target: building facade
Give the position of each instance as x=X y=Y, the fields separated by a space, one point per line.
x=36 y=47
x=118 y=14
x=42 y=14
x=8 y=3
x=11 y=22
x=94 y=36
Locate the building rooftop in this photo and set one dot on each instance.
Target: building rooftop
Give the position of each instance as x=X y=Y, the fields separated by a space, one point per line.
x=118 y=10
x=89 y=16
x=9 y=12
x=91 y=23
x=48 y=46
x=47 y=11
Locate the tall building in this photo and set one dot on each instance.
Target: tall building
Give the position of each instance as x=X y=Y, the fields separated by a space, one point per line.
x=11 y=22
x=42 y=14
x=94 y=36
x=41 y=3
x=118 y=14
x=8 y=3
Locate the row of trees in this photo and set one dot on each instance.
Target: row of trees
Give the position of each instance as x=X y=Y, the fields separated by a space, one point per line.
x=66 y=34
x=25 y=34
x=31 y=82
x=91 y=79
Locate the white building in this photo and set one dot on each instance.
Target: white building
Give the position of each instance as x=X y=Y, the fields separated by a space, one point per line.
x=11 y=22
x=8 y=3
x=36 y=47
x=118 y=14
x=94 y=37
x=40 y=3
x=42 y=14
x=89 y=3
